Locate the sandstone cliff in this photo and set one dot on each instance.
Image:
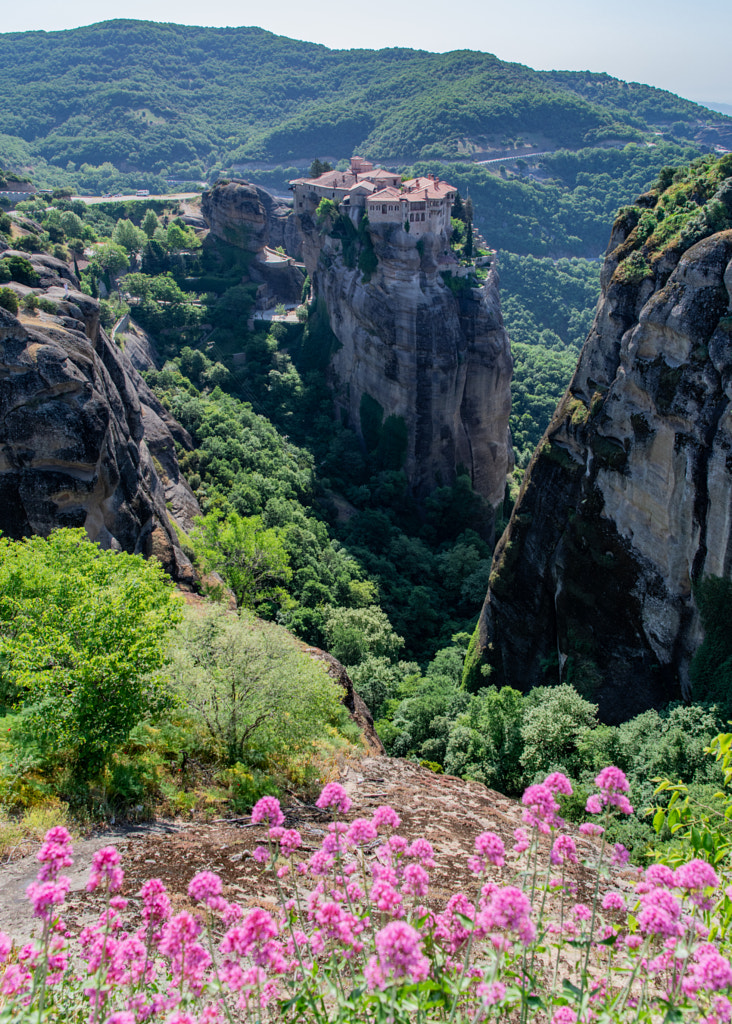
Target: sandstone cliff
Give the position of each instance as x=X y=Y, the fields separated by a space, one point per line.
x=83 y=441
x=418 y=344
x=628 y=499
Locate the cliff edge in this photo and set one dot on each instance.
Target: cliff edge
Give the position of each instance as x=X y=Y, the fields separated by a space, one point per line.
x=628 y=499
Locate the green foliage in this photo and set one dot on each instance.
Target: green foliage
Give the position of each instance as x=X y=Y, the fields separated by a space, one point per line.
x=9 y=300
x=265 y=704
x=21 y=270
x=251 y=559
x=354 y=634
x=82 y=634
x=556 y=721
x=711 y=667
x=486 y=741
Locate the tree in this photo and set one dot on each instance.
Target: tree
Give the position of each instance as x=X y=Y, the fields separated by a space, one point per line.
x=353 y=634
x=9 y=300
x=150 y=223
x=318 y=167
x=131 y=239
x=82 y=633
x=256 y=692
x=251 y=559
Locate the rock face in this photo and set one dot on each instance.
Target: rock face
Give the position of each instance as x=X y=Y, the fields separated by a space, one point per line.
x=249 y=217
x=83 y=441
x=419 y=345
x=628 y=499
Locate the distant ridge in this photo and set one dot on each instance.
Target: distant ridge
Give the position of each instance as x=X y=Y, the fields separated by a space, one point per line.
x=180 y=100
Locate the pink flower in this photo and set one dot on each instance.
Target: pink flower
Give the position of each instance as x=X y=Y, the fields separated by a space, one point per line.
x=711 y=971
x=416 y=880
x=45 y=895
x=613 y=901
x=558 y=782
x=522 y=840
x=290 y=840
x=361 y=831
x=260 y=854
x=660 y=914
x=386 y=816
x=398 y=956
x=582 y=912
x=540 y=808
x=203 y=885
x=564 y=1015
x=422 y=851
x=593 y=805
x=620 y=855
x=697 y=874
x=564 y=851
x=659 y=874
x=613 y=785
x=55 y=853
x=490 y=849
x=267 y=809
x=105 y=870
x=589 y=828
x=335 y=796
x=491 y=994
x=509 y=909
x=6 y=944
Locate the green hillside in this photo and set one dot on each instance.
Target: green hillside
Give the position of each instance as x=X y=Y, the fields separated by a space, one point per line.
x=180 y=100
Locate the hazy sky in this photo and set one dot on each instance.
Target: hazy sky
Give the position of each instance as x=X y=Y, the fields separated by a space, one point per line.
x=669 y=43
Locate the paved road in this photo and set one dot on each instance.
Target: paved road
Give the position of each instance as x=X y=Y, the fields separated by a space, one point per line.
x=519 y=156
x=91 y=200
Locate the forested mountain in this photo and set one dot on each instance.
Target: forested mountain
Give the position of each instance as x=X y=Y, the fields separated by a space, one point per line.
x=181 y=98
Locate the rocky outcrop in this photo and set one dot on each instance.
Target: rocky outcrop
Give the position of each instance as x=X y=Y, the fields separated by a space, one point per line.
x=355 y=705
x=628 y=499
x=83 y=441
x=419 y=347
x=249 y=217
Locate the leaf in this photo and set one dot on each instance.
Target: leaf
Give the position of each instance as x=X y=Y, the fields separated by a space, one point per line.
x=658 y=819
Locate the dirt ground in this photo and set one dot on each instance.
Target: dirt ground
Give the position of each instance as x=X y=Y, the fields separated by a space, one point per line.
x=447 y=811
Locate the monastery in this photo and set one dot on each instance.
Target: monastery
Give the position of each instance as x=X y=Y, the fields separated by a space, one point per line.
x=422 y=204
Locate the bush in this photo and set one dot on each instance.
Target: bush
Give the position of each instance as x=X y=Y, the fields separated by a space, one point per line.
x=265 y=704
x=9 y=300
x=82 y=632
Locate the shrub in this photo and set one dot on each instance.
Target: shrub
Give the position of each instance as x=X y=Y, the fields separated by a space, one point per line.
x=9 y=300
x=82 y=632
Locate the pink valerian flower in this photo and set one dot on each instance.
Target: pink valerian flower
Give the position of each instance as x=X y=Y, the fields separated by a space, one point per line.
x=594 y=804
x=386 y=817
x=660 y=914
x=335 y=842
x=334 y=795
x=722 y=1007
x=320 y=863
x=361 y=831
x=416 y=880
x=6 y=945
x=589 y=828
x=260 y=854
x=267 y=809
x=659 y=875
x=121 y=1017
x=290 y=840
x=490 y=994
x=558 y=782
x=204 y=885
x=254 y=933
x=509 y=910
x=156 y=906
x=46 y=895
x=399 y=957
x=564 y=1015
x=490 y=849
x=613 y=901
x=620 y=855
x=564 y=851
x=613 y=786
x=386 y=898
x=540 y=808
x=581 y=912
x=522 y=840
x=189 y=959
x=421 y=850
x=55 y=853
x=710 y=972
x=450 y=931
x=695 y=877
x=105 y=870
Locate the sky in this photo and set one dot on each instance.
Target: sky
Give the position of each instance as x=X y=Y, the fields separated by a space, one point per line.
x=671 y=44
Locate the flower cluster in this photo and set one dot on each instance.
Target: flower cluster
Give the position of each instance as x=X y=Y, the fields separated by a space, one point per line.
x=357 y=936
